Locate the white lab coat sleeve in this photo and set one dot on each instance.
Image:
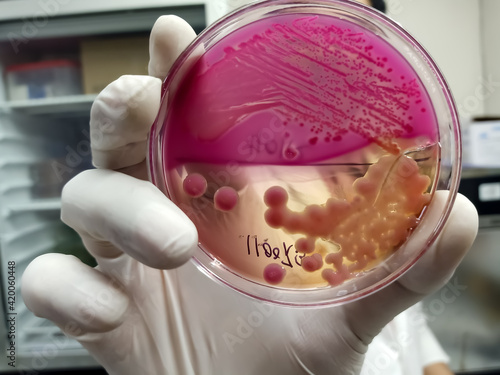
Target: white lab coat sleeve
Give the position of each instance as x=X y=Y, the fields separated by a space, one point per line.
x=404 y=347
x=430 y=349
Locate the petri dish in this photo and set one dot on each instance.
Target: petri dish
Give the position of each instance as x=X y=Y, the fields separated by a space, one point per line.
x=307 y=140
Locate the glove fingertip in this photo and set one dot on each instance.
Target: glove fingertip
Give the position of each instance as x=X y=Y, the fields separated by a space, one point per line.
x=169 y=37
x=69 y=293
x=166 y=237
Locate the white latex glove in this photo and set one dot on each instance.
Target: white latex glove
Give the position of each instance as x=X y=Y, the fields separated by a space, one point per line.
x=146 y=310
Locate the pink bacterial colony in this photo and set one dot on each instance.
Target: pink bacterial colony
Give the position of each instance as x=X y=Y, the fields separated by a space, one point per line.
x=385 y=208
x=195 y=185
x=225 y=198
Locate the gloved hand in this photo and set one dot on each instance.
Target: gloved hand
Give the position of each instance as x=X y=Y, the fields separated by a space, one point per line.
x=145 y=309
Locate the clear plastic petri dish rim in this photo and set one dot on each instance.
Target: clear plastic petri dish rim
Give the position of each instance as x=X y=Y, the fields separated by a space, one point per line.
x=446 y=173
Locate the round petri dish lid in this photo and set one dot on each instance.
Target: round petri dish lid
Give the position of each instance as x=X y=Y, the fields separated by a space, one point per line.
x=307 y=141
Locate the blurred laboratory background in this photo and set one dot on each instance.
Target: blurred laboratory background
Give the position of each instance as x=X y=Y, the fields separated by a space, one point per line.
x=56 y=55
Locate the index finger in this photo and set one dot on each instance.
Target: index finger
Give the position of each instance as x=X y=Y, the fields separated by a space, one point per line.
x=122 y=114
x=169 y=37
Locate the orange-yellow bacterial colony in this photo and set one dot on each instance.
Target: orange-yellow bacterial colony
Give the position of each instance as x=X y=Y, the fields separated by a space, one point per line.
x=257 y=226
x=366 y=228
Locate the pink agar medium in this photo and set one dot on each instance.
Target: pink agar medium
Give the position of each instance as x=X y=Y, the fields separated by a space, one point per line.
x=285 y=93
x=313 y=86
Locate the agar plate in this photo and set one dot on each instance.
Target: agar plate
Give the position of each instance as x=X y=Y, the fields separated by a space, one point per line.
x=306 y=141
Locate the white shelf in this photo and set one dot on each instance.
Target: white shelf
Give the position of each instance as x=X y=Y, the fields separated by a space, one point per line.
x=95 y=17
x=20 y=9
x=51 y=204
x=472 y=170
x=76 y=104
